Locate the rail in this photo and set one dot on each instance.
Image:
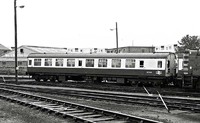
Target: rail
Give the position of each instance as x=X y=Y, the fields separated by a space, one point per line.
x=78 y=112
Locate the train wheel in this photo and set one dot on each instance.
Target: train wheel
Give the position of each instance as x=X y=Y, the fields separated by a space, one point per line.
x=53 y=79
x=127 y=82
x=37 y=79
x=98 y=80
x=178 y=83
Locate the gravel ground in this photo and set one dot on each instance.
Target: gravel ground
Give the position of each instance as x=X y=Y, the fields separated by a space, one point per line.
x=14 y=113
x=155 y=113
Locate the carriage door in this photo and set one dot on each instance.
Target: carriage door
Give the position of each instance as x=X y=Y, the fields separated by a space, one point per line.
x=168 y=67
x=80 y=63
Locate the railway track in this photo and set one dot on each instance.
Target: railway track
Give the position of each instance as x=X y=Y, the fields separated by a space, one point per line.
x=81 y=113
x=168 y=92
x=189 y=104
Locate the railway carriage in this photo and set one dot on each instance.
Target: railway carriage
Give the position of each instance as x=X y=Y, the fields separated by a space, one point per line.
x=124 y=68
x=188 y=74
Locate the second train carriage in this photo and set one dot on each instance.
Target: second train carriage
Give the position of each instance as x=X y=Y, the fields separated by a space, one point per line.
x=188 y=74
x=124 y=68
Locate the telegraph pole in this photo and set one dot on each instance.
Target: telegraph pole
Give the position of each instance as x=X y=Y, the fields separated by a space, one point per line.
x=116 y=38
x=15 y=24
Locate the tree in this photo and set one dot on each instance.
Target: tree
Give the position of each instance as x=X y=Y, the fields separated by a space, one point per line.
x=189 y=42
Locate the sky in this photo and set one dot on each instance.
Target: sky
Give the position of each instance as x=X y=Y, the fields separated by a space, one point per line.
x=87 y=23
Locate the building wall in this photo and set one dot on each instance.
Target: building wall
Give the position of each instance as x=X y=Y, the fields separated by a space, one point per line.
x=166 y=48
x=7 y=66
x=2 y=52
x=86 y=50
x=7 y=61
x=132 y=50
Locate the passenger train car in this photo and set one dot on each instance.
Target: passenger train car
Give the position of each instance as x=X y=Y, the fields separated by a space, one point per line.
x=122 y=67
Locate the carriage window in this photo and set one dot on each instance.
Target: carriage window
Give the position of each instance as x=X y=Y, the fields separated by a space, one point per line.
x=141 y=64
x=37 y=62
x=130 y=63
x=70 y=62
x=116 y=63
x=29 y=62
x=59 y=62
x=48 y=62
x=159 y=64
x=102 y=63
x=89 y=62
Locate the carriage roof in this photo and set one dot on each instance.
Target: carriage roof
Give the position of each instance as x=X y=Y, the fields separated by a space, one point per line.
x=99 y=55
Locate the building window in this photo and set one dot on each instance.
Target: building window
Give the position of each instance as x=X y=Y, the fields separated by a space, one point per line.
x=89 y=62
x=102 y=63
x=162 y=47
x=21 y=50
x=37 y=62
x=76 y=49
x=48 y=62
x=59 y=62
x=159 y=64
x=116 y=63
x=130 y=63
x=141 y=64
x=70 y=62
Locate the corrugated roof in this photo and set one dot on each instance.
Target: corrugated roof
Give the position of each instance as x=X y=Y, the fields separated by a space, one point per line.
x=41 y=49
x=3 y=47
x=100 y=55
x=131 y=47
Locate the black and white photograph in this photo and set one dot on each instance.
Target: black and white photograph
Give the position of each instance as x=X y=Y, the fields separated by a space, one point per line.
x=99 y=61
